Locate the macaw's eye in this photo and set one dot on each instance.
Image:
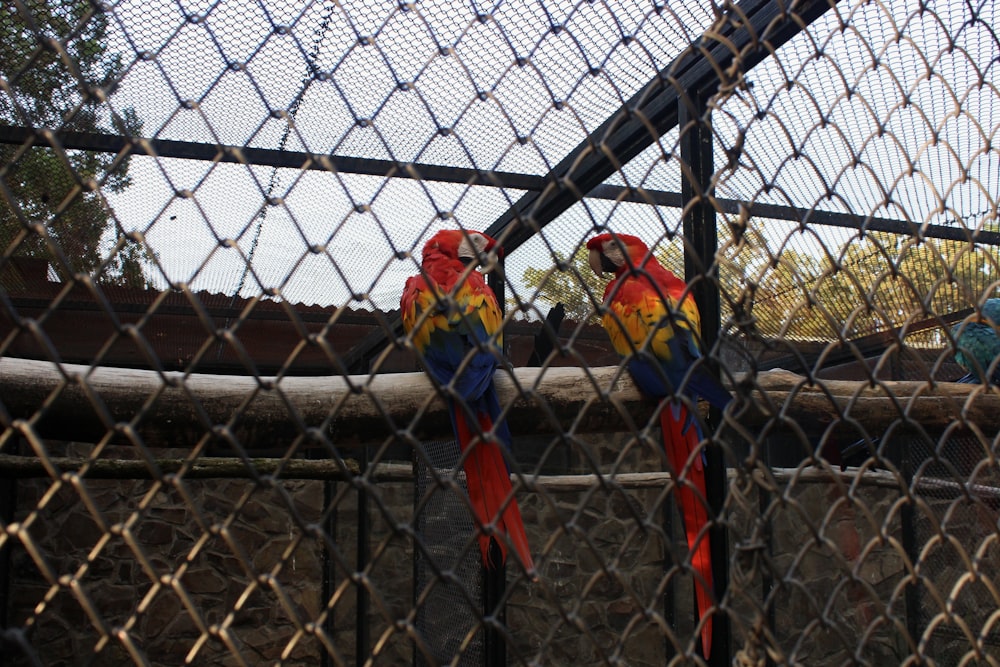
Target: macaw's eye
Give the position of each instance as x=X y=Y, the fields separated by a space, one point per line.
x=468 y=260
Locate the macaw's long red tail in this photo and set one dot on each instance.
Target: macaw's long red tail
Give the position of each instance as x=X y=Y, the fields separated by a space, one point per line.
x=680 y=438
x=488 y=481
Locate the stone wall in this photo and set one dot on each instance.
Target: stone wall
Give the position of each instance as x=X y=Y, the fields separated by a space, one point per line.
x=105 y=571
x=171 y=564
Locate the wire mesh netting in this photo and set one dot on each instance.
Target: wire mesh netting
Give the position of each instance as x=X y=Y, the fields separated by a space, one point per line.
x=277 y=279
x=451 y=605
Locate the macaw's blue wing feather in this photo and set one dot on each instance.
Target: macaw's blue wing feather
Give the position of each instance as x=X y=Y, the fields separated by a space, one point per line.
x=978 y=347
x=456 y=342
x=991 y=310
x=444 y=359
x=695 y=373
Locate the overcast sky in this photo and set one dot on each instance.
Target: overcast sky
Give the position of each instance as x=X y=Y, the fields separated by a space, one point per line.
x=846 y=117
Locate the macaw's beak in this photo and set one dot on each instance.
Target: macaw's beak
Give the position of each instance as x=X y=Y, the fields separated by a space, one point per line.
x=595 y=262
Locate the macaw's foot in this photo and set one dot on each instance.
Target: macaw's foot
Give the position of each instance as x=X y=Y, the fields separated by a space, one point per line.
x=856 y=453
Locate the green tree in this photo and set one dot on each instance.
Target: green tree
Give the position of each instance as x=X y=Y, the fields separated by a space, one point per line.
x=56 y=73
x=573 y=285
x=868 y=284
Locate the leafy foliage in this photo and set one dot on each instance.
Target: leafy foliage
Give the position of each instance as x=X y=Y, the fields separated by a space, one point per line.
x=874 y=282
x=571 y=283
x=58 y=73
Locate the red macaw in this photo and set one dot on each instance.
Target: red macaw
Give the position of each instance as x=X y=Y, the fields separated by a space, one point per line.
x=655 y=325
x=454 y=321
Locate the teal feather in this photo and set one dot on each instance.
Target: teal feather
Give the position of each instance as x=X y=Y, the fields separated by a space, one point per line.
x=978 y=344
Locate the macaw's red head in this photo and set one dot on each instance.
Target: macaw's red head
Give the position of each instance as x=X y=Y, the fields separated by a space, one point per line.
x=607 y=252
x=468 y=247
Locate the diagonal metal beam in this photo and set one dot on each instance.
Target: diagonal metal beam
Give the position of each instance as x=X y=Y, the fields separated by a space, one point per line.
x=863 y=347
x=750 y=32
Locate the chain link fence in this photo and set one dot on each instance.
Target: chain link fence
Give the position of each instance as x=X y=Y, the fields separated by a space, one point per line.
x=218 y=444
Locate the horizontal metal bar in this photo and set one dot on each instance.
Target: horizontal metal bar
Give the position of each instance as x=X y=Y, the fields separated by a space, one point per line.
x=110 y=143
x=207 y=467
x=811 y=216
x=113 y=143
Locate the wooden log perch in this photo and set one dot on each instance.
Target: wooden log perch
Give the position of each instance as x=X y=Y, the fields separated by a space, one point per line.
x=84 y=404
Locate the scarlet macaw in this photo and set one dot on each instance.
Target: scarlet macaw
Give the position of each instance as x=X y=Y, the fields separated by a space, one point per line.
x=978 y=344
x=656 y=327
x=454 y=322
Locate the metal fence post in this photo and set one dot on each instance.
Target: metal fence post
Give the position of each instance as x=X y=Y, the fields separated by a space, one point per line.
x=329 y=569
x=362 y=631
x=699 y=260
x=495 y=579
x=8 y=508
x=908 y=528
x=494 y=610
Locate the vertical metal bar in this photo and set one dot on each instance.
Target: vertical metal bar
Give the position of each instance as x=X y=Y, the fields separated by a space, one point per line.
x=8 y=508
x=495 y=280
x=494 y=609
x=415 y=661
x=699 y=268
x=329 y=573
x=362 y=638
x=908 y=527
x=699 y=217
x=766 y=579
x=495 y=578
x=669 y=593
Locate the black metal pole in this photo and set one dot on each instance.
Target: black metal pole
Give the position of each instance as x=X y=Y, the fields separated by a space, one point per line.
x=495 y=578
x=766 y=577
x=418 y=523
x=494 y=608
x=495 y=280
x=8 y=508
x=362 y=631
x=699 y=270
x=908 y=527
x=329 y=571
x=669 y=592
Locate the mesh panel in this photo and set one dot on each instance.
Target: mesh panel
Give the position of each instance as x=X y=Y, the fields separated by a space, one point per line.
x=959 y=500
x=258 y=258
x=450 y=606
